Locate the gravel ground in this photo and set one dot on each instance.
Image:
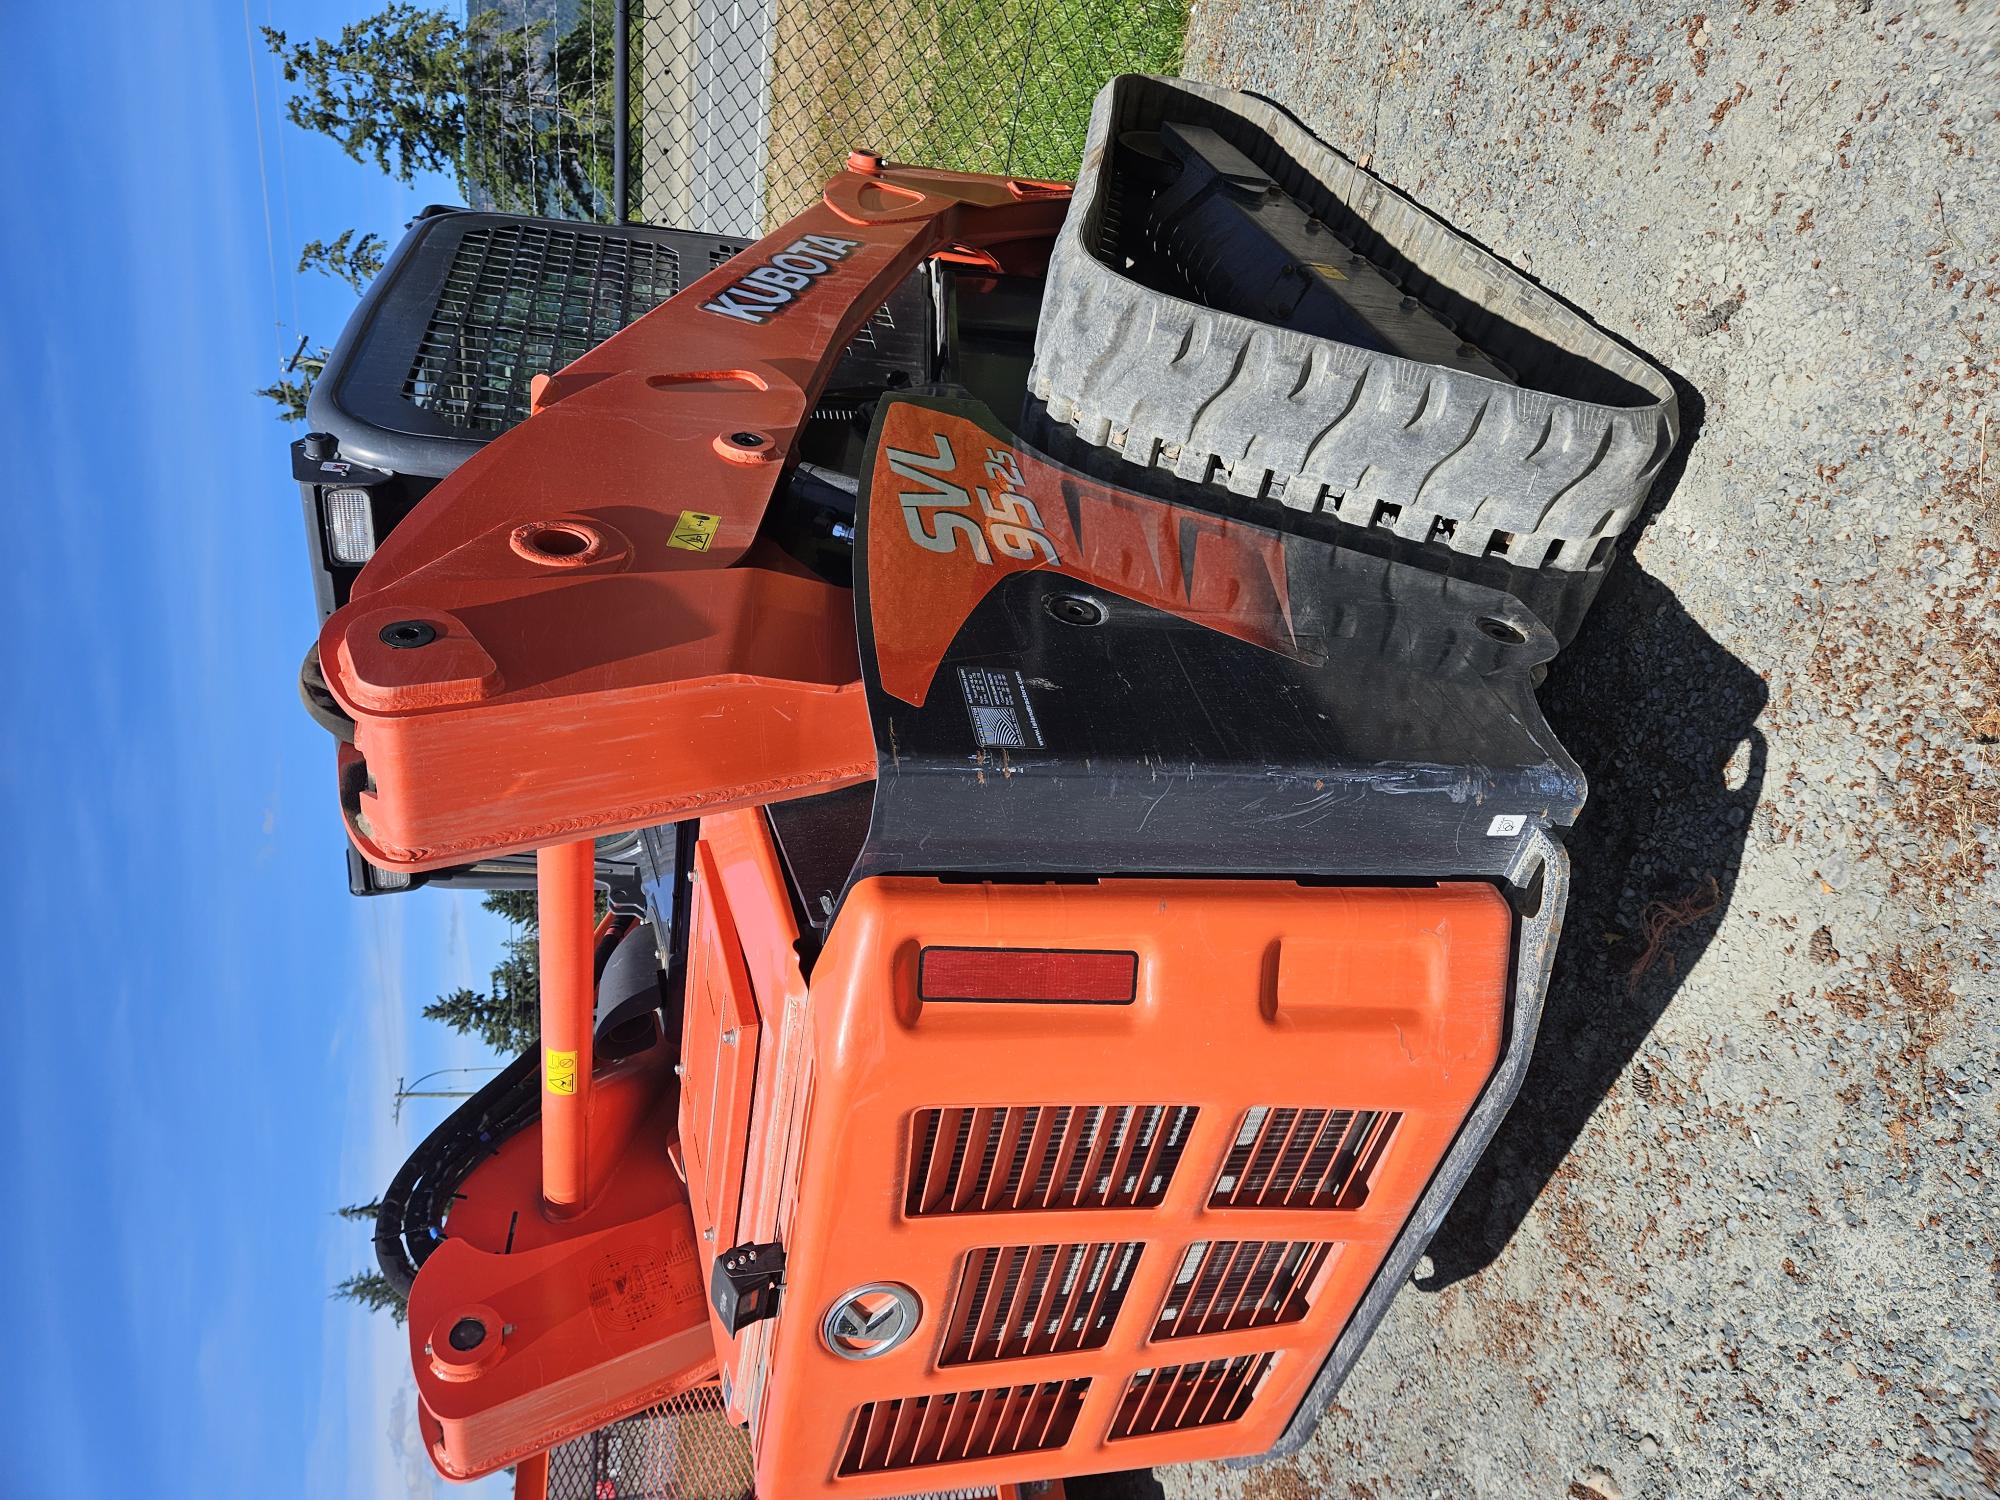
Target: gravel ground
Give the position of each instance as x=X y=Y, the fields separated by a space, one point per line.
x=1740 y=1236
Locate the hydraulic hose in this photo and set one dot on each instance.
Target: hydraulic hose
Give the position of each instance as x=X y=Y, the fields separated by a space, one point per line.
x=410 y=1222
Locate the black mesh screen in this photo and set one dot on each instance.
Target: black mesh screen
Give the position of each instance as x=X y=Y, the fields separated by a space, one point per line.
x=524 y=299
x=683 y=1449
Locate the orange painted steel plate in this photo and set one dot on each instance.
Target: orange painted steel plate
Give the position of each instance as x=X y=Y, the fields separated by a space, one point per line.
x=582 y=1319
x=1258 y=1003
x=549 y=646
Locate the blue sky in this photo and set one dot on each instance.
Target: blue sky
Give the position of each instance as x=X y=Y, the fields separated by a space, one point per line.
x=206 y=1027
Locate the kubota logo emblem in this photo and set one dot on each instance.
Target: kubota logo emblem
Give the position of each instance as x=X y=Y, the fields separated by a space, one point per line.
x=759 y=293
x=871 y=1320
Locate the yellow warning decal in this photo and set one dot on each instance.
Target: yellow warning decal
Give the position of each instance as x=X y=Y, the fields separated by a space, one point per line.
x=1331 y=273
x=559 y=1069
x=694 y=531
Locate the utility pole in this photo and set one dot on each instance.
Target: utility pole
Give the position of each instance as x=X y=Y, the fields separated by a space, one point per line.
x=413 y=1091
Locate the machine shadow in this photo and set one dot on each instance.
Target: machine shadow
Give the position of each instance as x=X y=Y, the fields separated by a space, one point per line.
x=1663 y=721
x=1130 y=1484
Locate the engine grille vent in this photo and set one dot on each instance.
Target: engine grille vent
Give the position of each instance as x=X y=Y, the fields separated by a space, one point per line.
x=916 y=1430
x=1037 y=1299
x=1303 y=1158
x=1224 y=1285
x=522 y=299
x=999 y=1160
x=1176 y=1397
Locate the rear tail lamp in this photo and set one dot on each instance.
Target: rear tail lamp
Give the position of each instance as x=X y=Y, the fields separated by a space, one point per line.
x=1035 y=976
x=350 y=526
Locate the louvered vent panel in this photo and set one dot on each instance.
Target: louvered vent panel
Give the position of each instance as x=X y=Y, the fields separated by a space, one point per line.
x=1225 y=1285
x=1037 y=1299
x=1177 y=1397
x=1002 y=1160
x=957 y=1425
x=1303 y=1158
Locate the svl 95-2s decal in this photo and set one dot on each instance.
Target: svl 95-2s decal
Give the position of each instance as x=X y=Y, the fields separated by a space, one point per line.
x=966 y=525
x=939 y=514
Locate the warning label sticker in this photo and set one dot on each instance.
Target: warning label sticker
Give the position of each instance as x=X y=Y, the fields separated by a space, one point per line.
x=632 y=1285
x=559 y=1071
x=628 y=1287
x=694 y=531
x=997 y=702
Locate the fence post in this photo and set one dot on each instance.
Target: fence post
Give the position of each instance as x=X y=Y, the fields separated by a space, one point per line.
x=621 y=105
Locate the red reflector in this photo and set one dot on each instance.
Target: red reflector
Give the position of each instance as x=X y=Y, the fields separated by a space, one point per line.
x=1046 y=976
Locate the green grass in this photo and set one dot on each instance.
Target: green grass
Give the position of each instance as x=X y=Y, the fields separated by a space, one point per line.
x=1016 y=79
x=973 y=85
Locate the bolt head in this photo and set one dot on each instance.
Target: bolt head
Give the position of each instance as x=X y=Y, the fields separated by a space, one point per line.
x=407 y=635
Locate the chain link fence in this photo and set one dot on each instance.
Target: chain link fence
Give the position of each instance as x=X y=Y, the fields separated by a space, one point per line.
x=541 y=132
x=738 y=110
x=739 y=121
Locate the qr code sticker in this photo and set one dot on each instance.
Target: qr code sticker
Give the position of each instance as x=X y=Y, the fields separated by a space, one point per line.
x=997 y=728
x=997 y=703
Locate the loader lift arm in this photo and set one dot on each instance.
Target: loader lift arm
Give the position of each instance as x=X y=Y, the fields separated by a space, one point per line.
x=596 y=581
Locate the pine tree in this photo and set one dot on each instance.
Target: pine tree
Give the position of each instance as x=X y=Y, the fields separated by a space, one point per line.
x=517 y=907
x=393 y=90
x=292 y=390
x=356 y=263
x=416 y=90
x=290 y=395
x=507 y=1014
x=578 y=135
x=361 y=1211
x=375 y=1292
x=501 y=1018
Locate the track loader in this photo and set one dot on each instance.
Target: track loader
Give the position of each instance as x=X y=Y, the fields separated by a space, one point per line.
x=1044 y=677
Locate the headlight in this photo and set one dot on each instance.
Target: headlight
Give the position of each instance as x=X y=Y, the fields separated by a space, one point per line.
x=350 y=526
